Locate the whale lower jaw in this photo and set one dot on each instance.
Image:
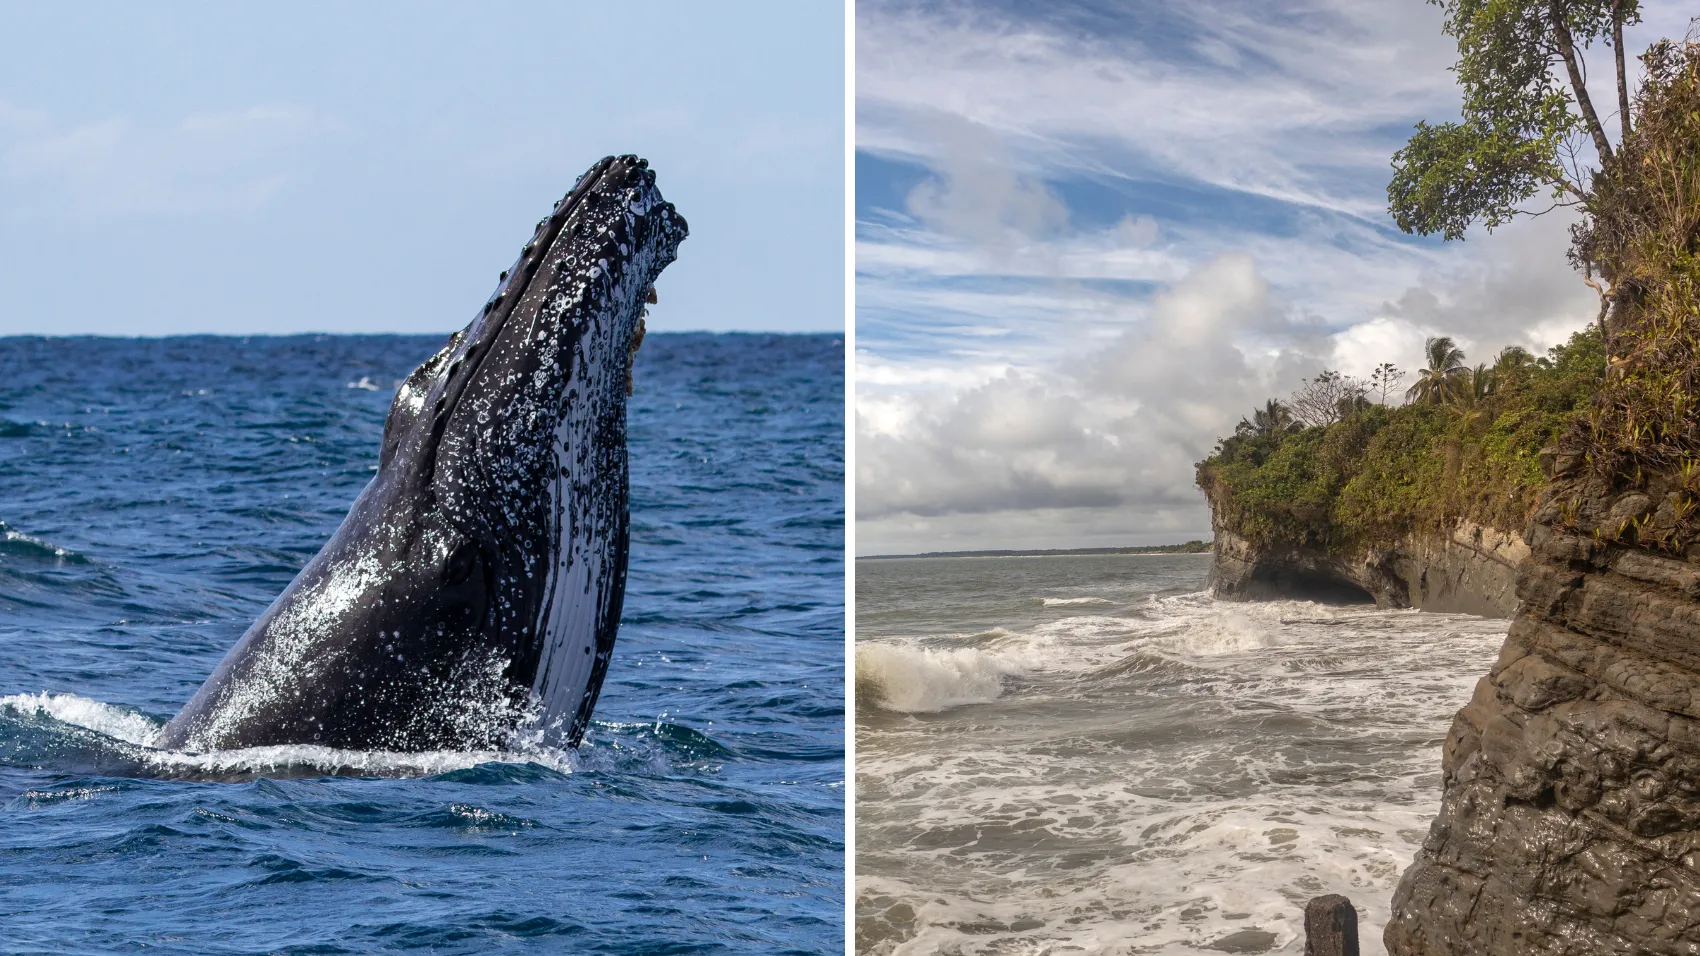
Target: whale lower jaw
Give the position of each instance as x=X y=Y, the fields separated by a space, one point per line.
x=580 y=613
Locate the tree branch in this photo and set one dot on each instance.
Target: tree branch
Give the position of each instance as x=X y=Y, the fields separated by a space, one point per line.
x=1605 y=303
x=1567 y=49
x=1622 y=86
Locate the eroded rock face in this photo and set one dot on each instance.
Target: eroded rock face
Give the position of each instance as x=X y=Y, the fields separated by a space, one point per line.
x=1472 y=570
x=1570 y=821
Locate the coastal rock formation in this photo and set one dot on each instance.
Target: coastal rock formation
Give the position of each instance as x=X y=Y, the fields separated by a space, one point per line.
x=1472 y=570
x=1570 y=822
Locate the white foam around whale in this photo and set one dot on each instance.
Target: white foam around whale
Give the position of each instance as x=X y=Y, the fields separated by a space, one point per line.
x=139 y=732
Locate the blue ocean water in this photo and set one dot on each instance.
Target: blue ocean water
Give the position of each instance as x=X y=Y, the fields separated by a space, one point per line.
x=156 y=495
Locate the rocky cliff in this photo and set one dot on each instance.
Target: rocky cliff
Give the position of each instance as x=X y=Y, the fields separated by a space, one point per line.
x=1570 y=819
x=1570 y=822
x=1471 y=570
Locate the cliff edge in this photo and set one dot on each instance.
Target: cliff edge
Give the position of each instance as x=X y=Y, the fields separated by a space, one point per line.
x=1570 y=818
x=1472 y=569
x=1570 y=821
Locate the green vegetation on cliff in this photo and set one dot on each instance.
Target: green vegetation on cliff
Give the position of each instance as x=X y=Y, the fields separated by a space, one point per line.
x=1617 y=407
x=1641 y=442
x=1467 y=446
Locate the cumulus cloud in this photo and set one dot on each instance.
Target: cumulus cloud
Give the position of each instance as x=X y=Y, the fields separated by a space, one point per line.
x=1518 y=289
x=977 y=197
x=1041 y=372
x=1113 y=428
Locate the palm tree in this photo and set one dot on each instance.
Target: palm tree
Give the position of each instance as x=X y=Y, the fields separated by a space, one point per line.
x=1270 y=421
x=1471 y=386
x=1513 y=358
x=1445 y=363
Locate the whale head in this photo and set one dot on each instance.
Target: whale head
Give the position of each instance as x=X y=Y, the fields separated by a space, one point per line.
x=475 y=586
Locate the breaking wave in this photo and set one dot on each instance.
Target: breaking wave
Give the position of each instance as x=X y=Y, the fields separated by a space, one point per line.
x=913 y=680
x=1155 y=772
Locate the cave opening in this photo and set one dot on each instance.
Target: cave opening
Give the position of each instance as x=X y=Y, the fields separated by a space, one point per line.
x=1308 y=584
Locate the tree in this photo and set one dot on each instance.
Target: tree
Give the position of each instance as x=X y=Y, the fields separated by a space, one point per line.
x=1385 y=379
x=1271 y=421
x=1513 y=359
x=1512 y=365
x=1445 y=364
x=1327 y=398
x=1522 y=123
x=1471 y=387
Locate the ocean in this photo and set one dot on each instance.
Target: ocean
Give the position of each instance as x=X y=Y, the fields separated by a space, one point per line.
x=1088 y=754
x=156 y=495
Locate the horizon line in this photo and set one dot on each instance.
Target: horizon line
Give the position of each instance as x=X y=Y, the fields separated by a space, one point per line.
x=1207 y=547
x=288 y=335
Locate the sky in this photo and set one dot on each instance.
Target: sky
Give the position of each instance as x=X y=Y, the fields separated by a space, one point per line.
x=1090 y=236
x=372 y=167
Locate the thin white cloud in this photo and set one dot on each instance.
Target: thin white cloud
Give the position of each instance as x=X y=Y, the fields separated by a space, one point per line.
x=204 y=162
x=1323 y=76
x=1081 y=424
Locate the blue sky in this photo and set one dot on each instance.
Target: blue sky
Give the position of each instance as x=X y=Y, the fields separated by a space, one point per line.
x=1091 y=235
x=248 y=168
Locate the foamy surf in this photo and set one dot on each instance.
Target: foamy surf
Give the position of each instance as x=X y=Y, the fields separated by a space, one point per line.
x=935 y=674
x=913 y=680
x=1160 y=773
x=133 y=735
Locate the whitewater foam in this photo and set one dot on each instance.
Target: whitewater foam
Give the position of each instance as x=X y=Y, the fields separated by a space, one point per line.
x=115 y=722
x=1168 y=774
x=926 y=680
x=135 y=734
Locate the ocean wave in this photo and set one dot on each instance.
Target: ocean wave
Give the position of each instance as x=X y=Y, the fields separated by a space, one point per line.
x=1066 y=602
x=913 y=680
x=1166 y=782
x=115 y=722
x=29 y=546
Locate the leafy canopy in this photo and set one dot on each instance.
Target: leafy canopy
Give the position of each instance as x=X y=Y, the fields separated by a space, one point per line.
x=1520 y=123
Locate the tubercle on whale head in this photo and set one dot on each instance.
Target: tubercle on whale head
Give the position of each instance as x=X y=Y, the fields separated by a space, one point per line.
x=560 y=258
x=538 y=352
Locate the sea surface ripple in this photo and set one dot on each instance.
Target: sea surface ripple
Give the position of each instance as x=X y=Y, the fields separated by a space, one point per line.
x=156 y=495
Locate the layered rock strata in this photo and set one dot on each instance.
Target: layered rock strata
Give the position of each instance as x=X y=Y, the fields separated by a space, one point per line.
x=1570 y=821
x=1471 y=570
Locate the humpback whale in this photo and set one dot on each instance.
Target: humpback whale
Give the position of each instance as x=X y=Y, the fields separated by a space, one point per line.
x=474 y=589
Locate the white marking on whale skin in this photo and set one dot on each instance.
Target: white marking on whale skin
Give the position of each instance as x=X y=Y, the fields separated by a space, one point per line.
x=581 y=588
x=301 y=639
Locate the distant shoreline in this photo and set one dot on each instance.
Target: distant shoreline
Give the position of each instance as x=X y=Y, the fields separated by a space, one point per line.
x=1190 y=547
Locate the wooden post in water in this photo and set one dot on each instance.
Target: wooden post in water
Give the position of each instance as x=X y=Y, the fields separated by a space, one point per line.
x=1331 y=927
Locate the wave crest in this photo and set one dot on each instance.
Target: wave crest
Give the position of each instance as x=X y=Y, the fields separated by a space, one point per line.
x=914 y=680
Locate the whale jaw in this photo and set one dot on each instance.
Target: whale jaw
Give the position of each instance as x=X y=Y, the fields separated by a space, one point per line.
x=475 y=588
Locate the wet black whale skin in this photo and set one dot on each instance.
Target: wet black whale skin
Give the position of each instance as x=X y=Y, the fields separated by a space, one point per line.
x=421 y=624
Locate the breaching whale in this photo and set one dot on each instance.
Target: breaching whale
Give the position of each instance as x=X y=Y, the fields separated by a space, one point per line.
x=475 y=587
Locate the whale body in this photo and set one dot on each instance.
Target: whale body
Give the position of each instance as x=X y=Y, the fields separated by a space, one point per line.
x=474 y=590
